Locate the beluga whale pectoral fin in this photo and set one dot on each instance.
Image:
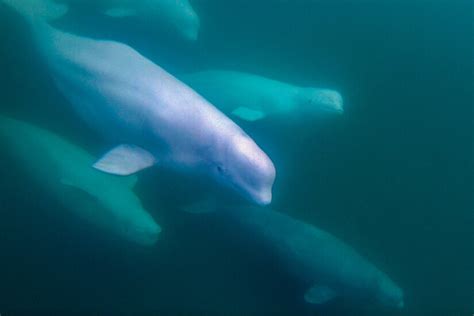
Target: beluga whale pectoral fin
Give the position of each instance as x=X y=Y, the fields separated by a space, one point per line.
x=248 y=114
x=319 y=294
x=125 y=160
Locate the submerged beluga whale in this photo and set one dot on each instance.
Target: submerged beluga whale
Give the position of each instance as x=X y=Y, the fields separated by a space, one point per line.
x=323 y=266
x=150 y=116
x=177 y=15
x=251 y=97
x=63 y=169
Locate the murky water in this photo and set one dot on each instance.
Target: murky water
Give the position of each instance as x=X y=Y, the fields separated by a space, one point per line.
x=392 y=176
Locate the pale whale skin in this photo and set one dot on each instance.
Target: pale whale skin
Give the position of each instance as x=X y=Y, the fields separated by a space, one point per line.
x=252 y=97
x=130 y=100
x=65 y=171
x=312 y=256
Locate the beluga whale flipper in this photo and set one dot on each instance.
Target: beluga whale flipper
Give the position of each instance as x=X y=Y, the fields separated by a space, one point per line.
x=252 y=98
x=323 y=266
x=177 y=15
x=64 y=170
x=150 y=116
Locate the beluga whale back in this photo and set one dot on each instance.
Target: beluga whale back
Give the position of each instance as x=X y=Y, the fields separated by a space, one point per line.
x=149 y=115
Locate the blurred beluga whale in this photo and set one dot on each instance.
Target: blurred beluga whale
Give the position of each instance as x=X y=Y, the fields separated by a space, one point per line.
x=64 y=170
x=150 y=116
x=324 y=267
x=175 y=15
x=251 y=97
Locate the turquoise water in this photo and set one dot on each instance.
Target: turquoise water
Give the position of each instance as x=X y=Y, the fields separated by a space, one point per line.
x=392 y=176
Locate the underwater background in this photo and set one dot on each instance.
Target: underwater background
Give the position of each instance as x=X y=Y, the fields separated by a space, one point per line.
x=392 y=176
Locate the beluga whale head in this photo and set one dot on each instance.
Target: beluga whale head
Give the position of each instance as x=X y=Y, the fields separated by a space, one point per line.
x=244 y=167
x=388 y=293
x=131 y=220
x=321 y=100
x=119 y=209
x=181 y=16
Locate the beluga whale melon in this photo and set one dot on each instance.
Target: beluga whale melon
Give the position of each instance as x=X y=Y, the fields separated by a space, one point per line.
x=251 y=97
x=149 y=116
x=64 y=170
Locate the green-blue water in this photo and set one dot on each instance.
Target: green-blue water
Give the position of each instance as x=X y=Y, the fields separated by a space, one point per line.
x=392 y=176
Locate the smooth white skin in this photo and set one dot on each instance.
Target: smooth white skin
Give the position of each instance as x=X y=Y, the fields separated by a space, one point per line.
x=130 y=100
x=63 y=169
x=231 y=89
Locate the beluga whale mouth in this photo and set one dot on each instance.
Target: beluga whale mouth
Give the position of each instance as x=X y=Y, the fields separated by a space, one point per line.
x=261 y=198
x=146 y=235
x=264 y=198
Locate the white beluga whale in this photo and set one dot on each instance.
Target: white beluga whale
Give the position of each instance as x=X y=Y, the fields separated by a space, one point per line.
x=64 y=170
x=150 y=116
x=251 y=97
x=46 y=9
x=177 y=15
x=324 y=266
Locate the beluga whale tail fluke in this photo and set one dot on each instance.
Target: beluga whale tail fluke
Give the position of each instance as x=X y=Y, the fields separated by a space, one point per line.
x=149 y=117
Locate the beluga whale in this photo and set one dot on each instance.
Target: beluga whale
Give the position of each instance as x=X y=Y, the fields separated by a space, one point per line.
x=151 y=117
x=175 y=15
x=323 y=267
x=252 y=97
x=63 y=169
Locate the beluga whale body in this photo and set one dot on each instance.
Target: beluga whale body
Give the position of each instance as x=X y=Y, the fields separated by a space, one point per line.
x=324 y=267
x=63 y=169
x=251 y=97
x=176 y=15
x=150 y=116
